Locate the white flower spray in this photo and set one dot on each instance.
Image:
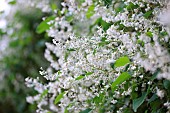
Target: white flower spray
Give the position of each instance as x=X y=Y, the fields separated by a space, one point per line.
x=84 y=65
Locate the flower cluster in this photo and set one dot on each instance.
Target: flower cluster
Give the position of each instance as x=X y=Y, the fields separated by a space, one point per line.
x=105 y=57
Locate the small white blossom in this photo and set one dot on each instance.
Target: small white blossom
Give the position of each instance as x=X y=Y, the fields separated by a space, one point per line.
x=160 y=93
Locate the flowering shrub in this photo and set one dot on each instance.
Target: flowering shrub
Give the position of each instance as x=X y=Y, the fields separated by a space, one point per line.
x=106 y=57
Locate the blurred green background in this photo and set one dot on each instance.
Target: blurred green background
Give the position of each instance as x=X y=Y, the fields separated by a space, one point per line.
x=24 y=54
x=24 y=57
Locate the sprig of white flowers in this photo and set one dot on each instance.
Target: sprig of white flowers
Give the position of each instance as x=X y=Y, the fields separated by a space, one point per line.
x=84 y=64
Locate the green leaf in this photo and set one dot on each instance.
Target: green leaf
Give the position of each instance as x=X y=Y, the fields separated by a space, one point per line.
x=102 y=23
x=120 y=7
x=90 y=11
x=154 y=97
x=94 y=51
x=155 y=105
x=107 y=2
x=164 y=33
x=59 y=97
x=12 y=2
x=138 y=102
x=127 y=110
x=43 y=26
x=82 y=76
x=131 y=6
x=53 y=6
x=140 y=42
x=148 y=14
x=69 y=18
x=66 y=55
x=105 y=25
x=155 y=75
x=86 y=110
x=166 y=84
x=14 y=43
x=103 y=42
x=122 y=61
x=112 y=65
x=45 y=92
x=71 y=49
x=81 y=1
x=99 y=99
x=123 y=77
x=66 y=110
x=149 y=34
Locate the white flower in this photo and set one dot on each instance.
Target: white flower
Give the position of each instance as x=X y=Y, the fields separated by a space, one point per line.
x=160 y=93
x=114 y=101
x=167 y=104
x=82 y=97
x=30 y=99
